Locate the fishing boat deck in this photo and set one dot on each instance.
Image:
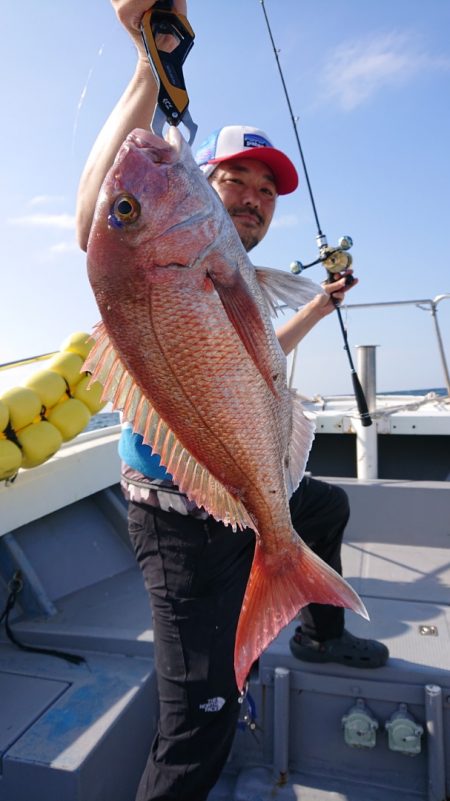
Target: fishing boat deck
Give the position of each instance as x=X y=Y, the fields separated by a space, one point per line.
x=65 y=728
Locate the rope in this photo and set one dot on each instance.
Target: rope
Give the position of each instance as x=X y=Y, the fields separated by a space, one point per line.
x=15 y=586
x=439 y=401
x=28 y=360
x=431 y=396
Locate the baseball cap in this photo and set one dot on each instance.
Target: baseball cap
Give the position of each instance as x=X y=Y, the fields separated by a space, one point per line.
x=245 y=142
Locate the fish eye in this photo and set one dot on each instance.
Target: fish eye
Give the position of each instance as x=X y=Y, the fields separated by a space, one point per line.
x=126 y=209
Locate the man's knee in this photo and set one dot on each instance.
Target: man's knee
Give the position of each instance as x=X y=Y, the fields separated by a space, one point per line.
x=341 y=505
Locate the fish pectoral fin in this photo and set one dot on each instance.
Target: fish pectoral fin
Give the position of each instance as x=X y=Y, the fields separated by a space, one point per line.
x=281 y=584
x=281 y=288
x=244 y=314
x=303 y=429
x=192 y=478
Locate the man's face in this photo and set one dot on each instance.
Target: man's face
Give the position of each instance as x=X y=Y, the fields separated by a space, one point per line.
x=246 y=188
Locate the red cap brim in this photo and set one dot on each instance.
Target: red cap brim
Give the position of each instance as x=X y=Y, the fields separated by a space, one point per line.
x=282 y=168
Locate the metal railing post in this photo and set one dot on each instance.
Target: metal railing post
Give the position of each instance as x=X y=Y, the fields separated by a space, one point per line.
x=434 y=304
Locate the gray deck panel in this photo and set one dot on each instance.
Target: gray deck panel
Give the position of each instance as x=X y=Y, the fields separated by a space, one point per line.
x=394 y=511
x=74 y=749
x=84 y=553
x=112 y=615
x=23 y=700
x=403 y=572
x=259 y=784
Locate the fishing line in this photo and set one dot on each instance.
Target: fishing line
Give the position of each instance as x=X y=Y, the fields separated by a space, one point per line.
x=336 y=256
x=82 y=99
x=294 y=121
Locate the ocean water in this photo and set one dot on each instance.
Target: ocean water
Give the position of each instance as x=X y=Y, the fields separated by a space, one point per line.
x=437 y=390
x=103 y=420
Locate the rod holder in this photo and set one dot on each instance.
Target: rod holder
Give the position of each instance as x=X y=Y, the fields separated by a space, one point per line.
x=435 y=732
x=366 y=436
x=281 y=724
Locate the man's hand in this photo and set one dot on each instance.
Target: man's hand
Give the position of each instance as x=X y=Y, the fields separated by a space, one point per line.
x=335 y=292
x=292 y=332
x=130 y=13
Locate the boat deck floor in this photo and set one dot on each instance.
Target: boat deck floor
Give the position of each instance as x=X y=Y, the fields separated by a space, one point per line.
x=396 y=556
x=114 y=615
x=259 y=784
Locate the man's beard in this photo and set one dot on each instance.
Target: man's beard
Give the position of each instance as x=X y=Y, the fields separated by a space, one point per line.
x=249 y=240
x=248 y=237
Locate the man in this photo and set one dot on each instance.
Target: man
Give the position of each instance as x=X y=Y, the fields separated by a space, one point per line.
x=194 y=568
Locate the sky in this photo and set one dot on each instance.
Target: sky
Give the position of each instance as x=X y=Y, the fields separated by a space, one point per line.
x=369 y=83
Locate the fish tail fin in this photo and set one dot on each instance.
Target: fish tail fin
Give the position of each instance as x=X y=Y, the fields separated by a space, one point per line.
x=279 y=586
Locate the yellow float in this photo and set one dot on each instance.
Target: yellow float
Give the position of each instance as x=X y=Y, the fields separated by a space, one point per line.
x=24 y=406
x=90 y=394
x=79 y=343
x=52 y=407
x=70 y=417
x=49 y=385
x=4 y=415
x=38 y=441
x=10 y=458
x=69 y=366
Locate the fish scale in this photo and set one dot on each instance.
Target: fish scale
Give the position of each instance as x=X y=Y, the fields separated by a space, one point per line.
x=226 y=391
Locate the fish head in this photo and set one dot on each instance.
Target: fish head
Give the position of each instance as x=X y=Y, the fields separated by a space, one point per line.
x=155 y=211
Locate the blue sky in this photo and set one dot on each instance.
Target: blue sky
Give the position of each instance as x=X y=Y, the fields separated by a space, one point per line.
x=370 y=84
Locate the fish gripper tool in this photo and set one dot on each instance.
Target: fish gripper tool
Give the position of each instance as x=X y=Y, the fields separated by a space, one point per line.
x=167 y=62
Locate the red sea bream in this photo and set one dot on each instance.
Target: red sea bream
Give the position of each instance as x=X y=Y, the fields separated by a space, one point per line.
x=187 y=350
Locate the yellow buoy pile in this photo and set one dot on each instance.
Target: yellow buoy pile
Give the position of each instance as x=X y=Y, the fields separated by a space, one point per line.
x=52 y=407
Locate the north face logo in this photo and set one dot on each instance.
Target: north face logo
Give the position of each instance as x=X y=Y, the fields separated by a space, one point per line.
x=213 y=705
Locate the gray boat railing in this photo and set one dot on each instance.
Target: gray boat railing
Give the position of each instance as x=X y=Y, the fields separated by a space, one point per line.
x=425 y=304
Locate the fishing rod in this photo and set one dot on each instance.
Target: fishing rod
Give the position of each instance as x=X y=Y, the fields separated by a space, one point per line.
x=334 y=259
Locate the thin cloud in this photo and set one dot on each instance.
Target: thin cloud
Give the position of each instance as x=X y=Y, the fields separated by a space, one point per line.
x=45 y=200
x=64 y=221
x=64 y=247
x=357 y=71
x=285 y=221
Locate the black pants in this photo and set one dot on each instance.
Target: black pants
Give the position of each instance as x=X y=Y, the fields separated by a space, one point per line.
x=196 y=572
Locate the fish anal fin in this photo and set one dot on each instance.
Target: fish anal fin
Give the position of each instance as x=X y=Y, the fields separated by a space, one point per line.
x=205 y=490
x=280 y=584
x=244 y=314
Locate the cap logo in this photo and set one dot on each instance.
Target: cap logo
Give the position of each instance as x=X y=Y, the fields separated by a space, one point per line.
x=254 y=140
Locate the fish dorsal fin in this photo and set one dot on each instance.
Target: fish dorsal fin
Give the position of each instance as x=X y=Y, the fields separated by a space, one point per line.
x=301 y=440
x=282 y=288
x=191 y=477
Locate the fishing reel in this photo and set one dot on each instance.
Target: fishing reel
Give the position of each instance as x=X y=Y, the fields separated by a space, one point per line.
x=335 y=259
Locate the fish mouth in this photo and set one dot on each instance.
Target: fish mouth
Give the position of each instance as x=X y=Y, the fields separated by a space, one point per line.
x=158 y=150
